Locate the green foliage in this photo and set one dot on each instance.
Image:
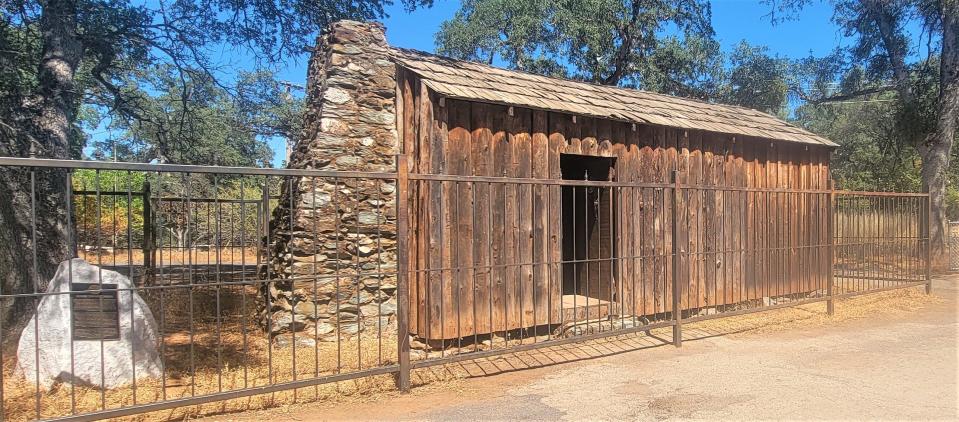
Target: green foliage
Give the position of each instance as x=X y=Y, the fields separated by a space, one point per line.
x=267 y=106
x=190 y=121
x=878 y=100
x=107 y=219
x=602 y=41
x=757 y=80
x=664 y=46
x=108 y=207
x=876 y=133
x=868 y=157
x=690 y=67
x=138 y=57
x=867 y=97
x=18 y=64
x=514 y=30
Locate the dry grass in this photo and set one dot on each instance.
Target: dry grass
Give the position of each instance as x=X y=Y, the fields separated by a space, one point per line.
x=224 y=354
x=814 y=315
x=175 y=256
x=210 y=372
x=235 y=368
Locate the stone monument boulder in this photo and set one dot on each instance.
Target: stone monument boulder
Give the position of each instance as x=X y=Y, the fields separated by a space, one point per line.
x=132 y=355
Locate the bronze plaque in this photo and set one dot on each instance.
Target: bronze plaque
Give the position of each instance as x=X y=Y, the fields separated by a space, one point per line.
x=96 y=314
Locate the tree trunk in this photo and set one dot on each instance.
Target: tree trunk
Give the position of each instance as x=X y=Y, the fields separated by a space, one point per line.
x=935 y=167
x=936 y=149
x=34 y=234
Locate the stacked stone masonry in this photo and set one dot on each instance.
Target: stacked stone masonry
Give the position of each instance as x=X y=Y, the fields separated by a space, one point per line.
x=332 y=242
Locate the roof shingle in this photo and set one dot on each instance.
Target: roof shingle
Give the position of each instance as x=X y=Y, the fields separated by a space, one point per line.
x=478 y=82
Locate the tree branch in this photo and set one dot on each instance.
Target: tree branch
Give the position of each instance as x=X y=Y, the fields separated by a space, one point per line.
x=621 y=60
x=843 y=96
x=886 y=24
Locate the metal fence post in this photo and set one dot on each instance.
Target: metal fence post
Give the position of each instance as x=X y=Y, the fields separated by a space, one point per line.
x=928 y=248
x=264 y=218
x=72 y=224
x=402 y=274
x=830 y=229
x=677 y=264
x=148 y=264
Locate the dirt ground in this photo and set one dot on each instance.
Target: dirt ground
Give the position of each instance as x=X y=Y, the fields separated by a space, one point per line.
x=878 y=358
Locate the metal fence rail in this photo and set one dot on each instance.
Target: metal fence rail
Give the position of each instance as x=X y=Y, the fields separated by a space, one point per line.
x=195 y=244
x=881 y=240
x=256 y=289
x=219 y=225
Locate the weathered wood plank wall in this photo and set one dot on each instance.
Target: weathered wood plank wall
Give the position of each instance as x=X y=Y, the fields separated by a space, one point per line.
x=487 y=255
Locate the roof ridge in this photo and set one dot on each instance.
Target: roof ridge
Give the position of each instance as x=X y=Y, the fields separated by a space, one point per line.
x=453 y=75
x=578 y=81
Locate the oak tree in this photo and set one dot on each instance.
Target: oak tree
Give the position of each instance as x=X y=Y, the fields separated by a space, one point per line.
x=58 y=56
x=922 y=76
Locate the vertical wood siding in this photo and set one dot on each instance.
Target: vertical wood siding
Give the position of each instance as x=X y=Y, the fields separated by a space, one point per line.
x=481 y=250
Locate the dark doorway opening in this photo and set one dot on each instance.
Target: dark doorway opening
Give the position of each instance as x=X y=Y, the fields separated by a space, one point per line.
x=589 y=230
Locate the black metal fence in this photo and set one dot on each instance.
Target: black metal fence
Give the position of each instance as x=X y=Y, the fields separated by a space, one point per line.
x=211 y=283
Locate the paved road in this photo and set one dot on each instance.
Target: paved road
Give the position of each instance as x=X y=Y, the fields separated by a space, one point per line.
x=902 y=366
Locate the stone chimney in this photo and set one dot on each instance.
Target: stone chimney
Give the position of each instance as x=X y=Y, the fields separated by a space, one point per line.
x=351 y=88
x=344 y=227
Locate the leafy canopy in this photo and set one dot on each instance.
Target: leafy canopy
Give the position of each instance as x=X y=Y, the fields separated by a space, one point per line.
x=160 y=69
x=195 y=121
x=666 y=46
x=603 y=41
x=885 y=97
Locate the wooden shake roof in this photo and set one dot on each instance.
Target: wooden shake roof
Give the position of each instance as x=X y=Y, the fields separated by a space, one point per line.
x=478 y=82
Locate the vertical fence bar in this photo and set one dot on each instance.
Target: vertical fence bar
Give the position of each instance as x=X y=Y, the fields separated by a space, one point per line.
x=928 y=236
x=402 y=274
x=677 y=261
x=148 y=263
x=859 y=248
x=831 y=246
x=264 y=222
x=268 y=282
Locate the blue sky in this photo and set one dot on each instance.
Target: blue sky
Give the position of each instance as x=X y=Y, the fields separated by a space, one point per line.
x=733 y=20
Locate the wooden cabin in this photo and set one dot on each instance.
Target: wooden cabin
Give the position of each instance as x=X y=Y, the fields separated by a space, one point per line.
x=489 y=257
x=534 y=201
